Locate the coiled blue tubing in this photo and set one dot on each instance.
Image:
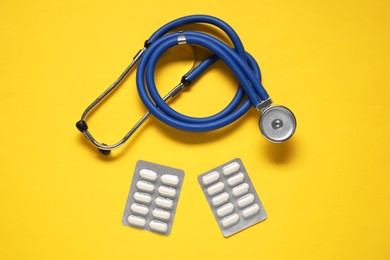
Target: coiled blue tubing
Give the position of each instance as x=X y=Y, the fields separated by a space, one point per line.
x=241 y=63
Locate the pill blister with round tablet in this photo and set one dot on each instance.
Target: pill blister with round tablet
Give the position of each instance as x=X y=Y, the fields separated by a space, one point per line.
x=153 y=197
x=232 y=197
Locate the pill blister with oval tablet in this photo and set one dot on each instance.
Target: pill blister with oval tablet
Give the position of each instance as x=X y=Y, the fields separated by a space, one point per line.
x=153 y=197
x=232 y=197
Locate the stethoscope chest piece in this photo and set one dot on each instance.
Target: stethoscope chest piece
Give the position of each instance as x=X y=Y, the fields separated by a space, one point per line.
x=277 y=123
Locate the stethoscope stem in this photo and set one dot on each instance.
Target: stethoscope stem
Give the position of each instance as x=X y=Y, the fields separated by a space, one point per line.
x=135 y=60
x=82 y=126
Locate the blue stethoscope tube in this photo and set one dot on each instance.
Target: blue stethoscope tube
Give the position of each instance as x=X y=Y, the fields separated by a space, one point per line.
x=245 y=68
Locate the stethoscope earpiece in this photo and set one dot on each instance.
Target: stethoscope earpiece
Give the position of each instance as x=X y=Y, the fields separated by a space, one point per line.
x=277 y=123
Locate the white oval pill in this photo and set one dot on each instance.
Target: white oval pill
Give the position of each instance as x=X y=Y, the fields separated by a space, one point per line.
x=236 y=179
x=240 y=189
x=145 y=186
x=142 y=197
x=167 y=191
x=250 y=211
x=230 y=220
x=170 y=179
x=231 y=168
x=215 y=188
x=136 y=221
x=139 y=209
x=210 y=178
x=148 y=174
x=158 y=226
x=164 y=202
x=245 y=200
x=161 y=214
x=220 y=199
x=225 y=209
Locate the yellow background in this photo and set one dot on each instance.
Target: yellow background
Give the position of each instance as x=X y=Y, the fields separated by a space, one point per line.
x=326 y=191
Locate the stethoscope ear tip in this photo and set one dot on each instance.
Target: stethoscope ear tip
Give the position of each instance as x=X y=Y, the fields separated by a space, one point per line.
x=277 y=124
x=104 y=152
x=81 y=125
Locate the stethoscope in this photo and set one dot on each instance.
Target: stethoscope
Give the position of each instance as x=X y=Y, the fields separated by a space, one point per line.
x=277 y=123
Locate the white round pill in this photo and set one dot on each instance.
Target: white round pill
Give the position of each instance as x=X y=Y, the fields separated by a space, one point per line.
x=148 y=174
x=236 y=179
x=139 y=209
x=250 y=211
x=145 y=186
x=210 y=178
x=142 y=197
x=245 y=200
x=220 y=199
x=240 y=189
x=167 y=191
x=161 y=214
x=164 y=202
x=215 y=188
x=231 y=168
x=225 y=209
x=230 y=220
x=136 y=221
x=158 y=226
x=170 y=179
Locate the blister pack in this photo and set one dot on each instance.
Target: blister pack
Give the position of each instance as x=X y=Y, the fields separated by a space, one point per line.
x=232 y=197
x=153 y=197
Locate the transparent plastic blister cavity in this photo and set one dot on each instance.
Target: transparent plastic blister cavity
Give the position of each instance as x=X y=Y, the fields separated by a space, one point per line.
x=153 y=197
x=232 y=197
